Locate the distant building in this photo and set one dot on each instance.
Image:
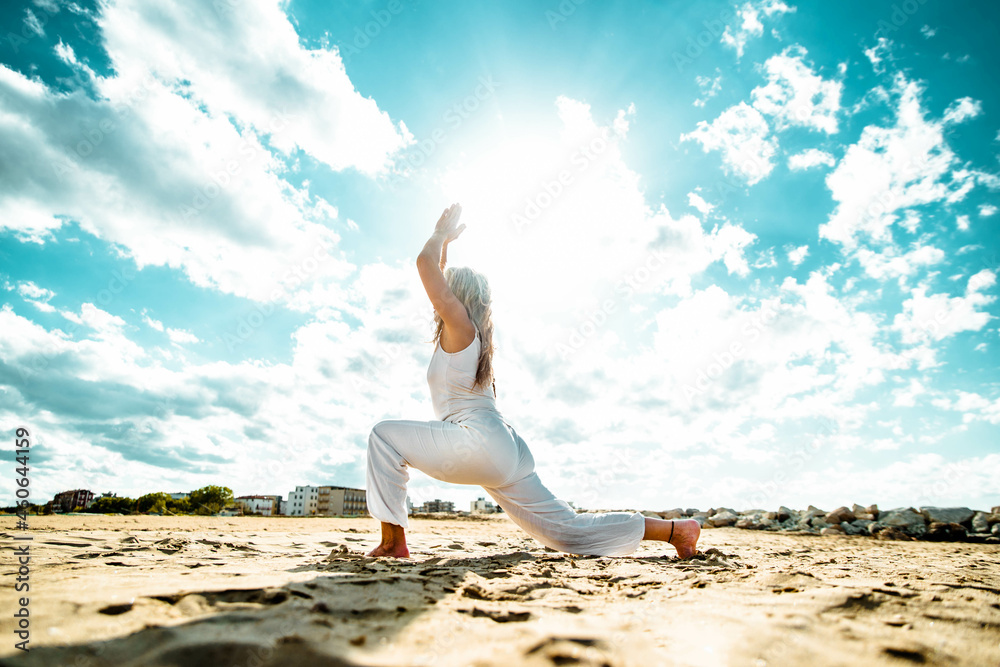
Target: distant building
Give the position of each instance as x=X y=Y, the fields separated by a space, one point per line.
x=326 y=501
x=483 y=506
x=341 y=501
x=179 y=496
x=409 y=506
x=67 y=501
x=437 y=505
x=265 y=505
x=302 y=501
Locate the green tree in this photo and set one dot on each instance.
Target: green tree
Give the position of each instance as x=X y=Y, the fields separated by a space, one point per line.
x=211 y=499
x=153 y=502
x=180 y=506
x=112 y=505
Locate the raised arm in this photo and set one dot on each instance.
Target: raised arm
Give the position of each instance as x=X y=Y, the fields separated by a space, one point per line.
x=458 y=331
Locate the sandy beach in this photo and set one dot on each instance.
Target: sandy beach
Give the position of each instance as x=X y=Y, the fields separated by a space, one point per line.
x=192 y=591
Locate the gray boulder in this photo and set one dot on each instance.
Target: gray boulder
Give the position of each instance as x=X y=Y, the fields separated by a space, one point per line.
x=784 y=514
x=819 y=522
x=832 y=530
x=856 y=527
x=675 y=513
x=812 y=511
x=947 y=514
x=995 y=510
x=945 y=532
x=690 y=511
x=840 y=515
x=904 y=519
x=981 y=522
x=995 y=529
x=723 y=518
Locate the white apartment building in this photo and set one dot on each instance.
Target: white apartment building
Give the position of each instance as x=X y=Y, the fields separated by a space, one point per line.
x=326 y=501
x=482 y=506
x=303 y=501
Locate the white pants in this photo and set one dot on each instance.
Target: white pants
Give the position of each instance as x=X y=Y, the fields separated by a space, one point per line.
x=485 y=450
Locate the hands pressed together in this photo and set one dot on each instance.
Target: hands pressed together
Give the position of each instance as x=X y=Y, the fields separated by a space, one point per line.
x=447 y=225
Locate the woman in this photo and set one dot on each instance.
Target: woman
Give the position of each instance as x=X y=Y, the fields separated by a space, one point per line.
x=473 y=444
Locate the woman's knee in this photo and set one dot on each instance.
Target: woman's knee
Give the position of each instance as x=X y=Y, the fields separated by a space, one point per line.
x=379 y=431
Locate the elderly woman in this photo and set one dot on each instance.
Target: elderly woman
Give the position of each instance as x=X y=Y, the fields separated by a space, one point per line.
x=471 y=443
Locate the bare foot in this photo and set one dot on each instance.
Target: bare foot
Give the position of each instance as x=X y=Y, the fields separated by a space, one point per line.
x=390 y=550
x=685 y=538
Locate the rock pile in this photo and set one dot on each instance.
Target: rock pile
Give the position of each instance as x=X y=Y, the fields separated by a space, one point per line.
x=950 y=524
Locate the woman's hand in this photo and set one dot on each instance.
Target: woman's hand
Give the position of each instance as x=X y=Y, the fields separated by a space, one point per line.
x=447 y=227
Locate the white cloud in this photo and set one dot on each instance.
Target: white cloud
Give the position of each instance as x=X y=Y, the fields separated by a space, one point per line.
x=795 y=96
x=932 y=317
x=179 y=336
x=889 y=264
x=892 y=168
x=30 y=290
x=962 y=223
x=765 y=259
x=927 y=31
x=809 y=158
x=910 y=221
x=877 y=53
x=171 y=185
x=155 y=324
x=647 y=251
x=32 y=23
x=171 y=160
x=798 y=255
x=907 y=397
x=987 y=210
x=298 y=97
x=703 y=207
x=961 y=110
x=974 y=406
x=750 y=25
x=709 y=86
x=740 y=133
x=37 y=296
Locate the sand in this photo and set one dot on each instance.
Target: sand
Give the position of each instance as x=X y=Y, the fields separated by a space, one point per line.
x=213 y=591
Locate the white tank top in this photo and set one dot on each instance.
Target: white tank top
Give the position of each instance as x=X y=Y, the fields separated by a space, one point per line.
x=451 y=377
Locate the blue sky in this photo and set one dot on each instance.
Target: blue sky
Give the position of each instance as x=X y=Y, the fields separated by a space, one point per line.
x=742 y=254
